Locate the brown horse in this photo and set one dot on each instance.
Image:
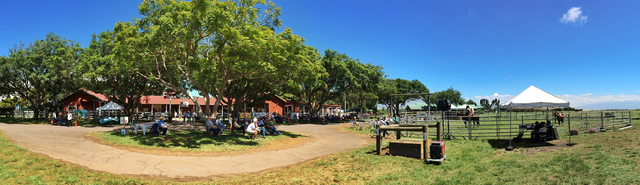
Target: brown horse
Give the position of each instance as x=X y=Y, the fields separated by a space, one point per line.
x=559 y=117
x=473 y=117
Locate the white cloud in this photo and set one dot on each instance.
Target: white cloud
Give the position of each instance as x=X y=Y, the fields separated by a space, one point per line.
x=502 y=98
x=574 y=16
x=590 y=99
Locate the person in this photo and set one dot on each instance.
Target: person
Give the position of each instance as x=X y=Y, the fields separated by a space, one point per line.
x=69 y=117
x=395 y=120
x=162 y=126
x=252 y=129
x=535 y=137
x=185 y=116
x=175 y=114
x=468 y=111
x=272 y=127
x=53 y=118
x=211 y=127
x=220 y=125
x=193 y=117
x=380 y=121
x=559 y=117
x=255 y=119
x=63 y=118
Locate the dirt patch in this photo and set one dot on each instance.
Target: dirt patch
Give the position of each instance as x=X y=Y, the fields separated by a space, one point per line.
x=280 y=144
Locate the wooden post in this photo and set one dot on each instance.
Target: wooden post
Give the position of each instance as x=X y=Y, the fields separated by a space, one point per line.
x=378 y=140
x=398 y=134
x=438 y=131
x=425 y=146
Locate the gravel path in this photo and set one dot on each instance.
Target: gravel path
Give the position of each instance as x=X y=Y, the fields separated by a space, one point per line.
x=68 y=144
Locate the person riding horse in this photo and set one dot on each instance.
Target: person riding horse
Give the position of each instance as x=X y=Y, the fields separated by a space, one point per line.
x=559 y=117
x=469 y=114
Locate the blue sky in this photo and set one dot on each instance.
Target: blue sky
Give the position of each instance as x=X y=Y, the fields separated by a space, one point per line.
x=586 y=52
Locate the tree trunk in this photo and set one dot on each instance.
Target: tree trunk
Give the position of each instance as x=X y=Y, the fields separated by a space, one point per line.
x=36 y=113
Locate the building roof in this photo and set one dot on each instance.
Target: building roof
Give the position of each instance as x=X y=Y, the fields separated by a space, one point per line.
x=303 y=103
x=419 y=106
x=94 y=94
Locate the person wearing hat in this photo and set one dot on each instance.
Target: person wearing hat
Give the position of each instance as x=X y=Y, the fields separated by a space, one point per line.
x=162 y=126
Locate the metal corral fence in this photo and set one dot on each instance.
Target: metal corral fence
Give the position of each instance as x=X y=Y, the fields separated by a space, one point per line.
x=504 y=126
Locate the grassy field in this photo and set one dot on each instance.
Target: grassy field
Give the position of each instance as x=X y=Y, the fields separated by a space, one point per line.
x=195 y=141
x=611 y=157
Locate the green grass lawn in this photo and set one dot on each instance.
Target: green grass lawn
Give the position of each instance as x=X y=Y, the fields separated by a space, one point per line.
x=611 y=157
x=196 y=141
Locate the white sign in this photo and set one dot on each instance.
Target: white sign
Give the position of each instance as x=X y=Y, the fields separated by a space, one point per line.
x=124 y=120
x=184 y=104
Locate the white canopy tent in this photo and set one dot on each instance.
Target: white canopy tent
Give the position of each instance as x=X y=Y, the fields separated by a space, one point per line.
x=534 y=97
x=111 y=106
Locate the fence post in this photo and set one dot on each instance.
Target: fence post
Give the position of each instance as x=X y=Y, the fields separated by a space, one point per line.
x=378 y=142
x=425 y=146
x=438 y=131
x=469 y=119
x=601 y=119
x=497 y=128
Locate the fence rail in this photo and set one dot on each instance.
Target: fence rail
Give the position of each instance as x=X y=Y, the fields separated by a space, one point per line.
x=504 y=126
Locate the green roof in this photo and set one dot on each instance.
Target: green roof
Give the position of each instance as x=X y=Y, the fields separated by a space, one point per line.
x=420 y=106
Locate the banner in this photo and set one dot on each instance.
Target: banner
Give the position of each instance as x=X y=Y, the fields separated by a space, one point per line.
x=245 y=115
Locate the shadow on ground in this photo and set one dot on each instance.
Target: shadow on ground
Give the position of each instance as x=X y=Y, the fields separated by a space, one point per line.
x=525 y=143
x=196 y=139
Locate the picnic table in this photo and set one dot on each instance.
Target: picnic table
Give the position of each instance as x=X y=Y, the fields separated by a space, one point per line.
x=143 y=126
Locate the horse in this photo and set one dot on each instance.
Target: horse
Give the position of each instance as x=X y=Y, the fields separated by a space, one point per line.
x=473 y=117
x=559 y=117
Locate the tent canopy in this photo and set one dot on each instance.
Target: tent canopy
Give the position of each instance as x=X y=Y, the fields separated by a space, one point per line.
x=534 y=97
x=110 y=106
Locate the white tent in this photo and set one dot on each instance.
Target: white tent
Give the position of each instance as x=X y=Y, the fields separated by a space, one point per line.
x=110 y=106
x=534 y=97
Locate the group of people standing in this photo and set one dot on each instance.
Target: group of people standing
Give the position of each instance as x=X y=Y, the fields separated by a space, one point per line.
x=61 y=118
x=188 y=116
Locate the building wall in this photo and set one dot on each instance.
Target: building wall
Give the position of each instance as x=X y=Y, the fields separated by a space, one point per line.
x=82 y=101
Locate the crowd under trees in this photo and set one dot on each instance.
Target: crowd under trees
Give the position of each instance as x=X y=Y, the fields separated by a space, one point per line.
x=221 y=49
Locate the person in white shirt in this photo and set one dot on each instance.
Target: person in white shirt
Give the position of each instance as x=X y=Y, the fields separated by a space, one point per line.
x=53 y=122
x=69 y=117
x=253 y=129
x=211 y=127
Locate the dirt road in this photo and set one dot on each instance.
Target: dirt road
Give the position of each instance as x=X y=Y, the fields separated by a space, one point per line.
x=68 y=144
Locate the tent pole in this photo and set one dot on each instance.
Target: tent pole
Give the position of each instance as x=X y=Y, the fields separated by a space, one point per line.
x=510 y=147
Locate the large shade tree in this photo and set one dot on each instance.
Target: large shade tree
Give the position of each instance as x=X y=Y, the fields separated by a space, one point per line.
x=38 y=73
x=205 y=45
x=105 y=73
x=451 y=94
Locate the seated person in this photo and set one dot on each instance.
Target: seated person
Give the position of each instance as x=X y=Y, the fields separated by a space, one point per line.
x=272 y=127
x=162 y=126
x=220 y=125
x=211 y=127
x=253 y=129
x=535 y=136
